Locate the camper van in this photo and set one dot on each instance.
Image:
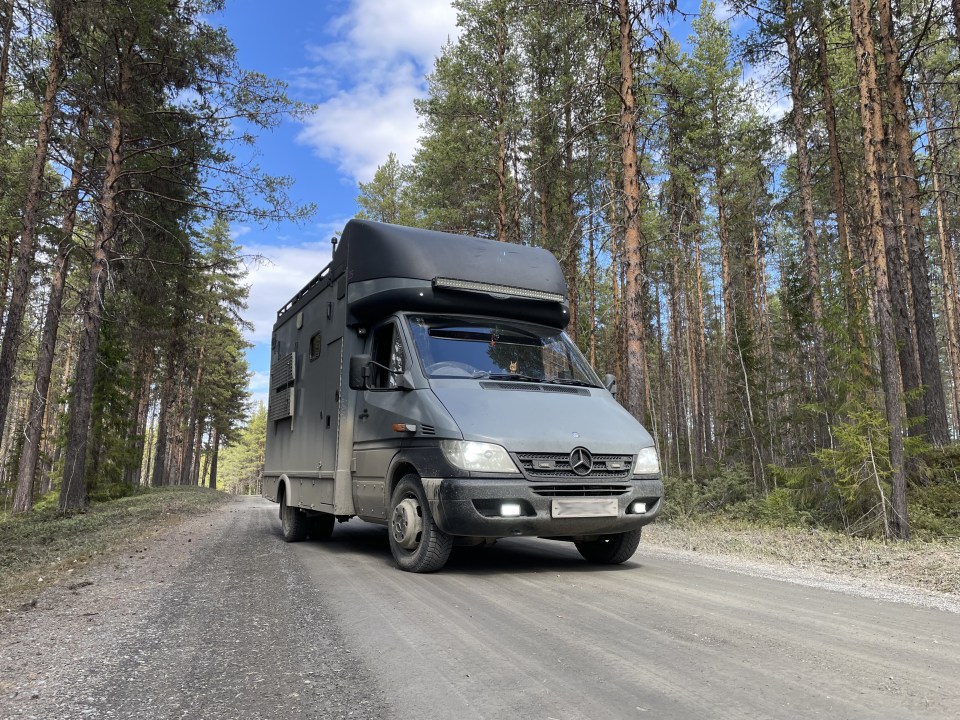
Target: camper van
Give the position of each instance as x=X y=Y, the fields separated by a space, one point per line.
x=423 y=381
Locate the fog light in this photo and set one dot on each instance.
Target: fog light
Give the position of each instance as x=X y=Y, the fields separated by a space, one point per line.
x=510 y=510
x=638 y=508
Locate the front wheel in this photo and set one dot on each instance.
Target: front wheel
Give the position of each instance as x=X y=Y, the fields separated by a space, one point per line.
x=610 y=549
x=417 y=544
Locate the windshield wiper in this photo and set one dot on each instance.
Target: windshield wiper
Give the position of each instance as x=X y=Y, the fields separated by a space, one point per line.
x=509 y=376
x=568 y=381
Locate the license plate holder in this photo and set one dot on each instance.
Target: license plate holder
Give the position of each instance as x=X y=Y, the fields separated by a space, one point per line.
x=584 y=507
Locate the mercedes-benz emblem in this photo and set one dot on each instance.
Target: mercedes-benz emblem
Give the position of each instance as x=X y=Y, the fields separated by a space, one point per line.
x=581 y=461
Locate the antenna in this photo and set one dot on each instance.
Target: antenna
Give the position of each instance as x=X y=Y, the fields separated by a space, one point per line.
x=333 y=241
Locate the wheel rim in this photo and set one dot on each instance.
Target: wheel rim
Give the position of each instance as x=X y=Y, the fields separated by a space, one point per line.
x=283 y=515
x=407 y=524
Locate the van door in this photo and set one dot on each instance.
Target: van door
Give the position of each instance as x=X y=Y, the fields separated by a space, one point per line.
x=375 y=442
x=331 y=367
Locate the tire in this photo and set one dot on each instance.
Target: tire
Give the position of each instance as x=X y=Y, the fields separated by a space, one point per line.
x=320 y=527
x=417 y=544
x=610 y=549
x=293 y=522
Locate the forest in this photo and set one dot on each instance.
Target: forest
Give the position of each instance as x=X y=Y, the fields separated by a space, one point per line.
x=775 y=289
x=126 y=136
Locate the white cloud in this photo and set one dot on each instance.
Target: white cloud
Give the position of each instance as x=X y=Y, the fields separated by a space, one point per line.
x=238 y=231
x=259 y=381
x=275 y=273
x=377 y=30
x=767 y=83
x=725 y=11
x=258 y=398
x=368 y=76
x=359 y=128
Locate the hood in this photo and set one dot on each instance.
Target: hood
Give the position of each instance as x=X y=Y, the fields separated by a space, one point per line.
x=522 y=419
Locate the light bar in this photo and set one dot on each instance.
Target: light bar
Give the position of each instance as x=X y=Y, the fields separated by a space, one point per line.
x=494 y=289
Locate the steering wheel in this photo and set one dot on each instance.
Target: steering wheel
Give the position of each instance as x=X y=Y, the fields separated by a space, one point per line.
x=452 y=368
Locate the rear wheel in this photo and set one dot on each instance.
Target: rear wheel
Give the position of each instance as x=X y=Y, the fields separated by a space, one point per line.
x=610 y=549
x=321 y=526
x=293 y=522
x=417 y=544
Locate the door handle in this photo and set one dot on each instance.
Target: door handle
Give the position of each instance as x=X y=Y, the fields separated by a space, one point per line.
x=364 y=415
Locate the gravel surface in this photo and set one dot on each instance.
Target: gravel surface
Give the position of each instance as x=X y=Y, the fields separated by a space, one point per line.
x=211 y=619
x=219 y=618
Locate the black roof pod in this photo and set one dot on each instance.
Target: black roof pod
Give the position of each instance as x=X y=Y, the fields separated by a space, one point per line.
x=393 y=267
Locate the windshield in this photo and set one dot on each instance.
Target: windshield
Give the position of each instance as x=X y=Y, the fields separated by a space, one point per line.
x=456 y=347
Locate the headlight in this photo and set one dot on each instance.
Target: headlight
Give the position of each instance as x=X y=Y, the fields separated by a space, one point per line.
x=478 y=456
x=647 y=462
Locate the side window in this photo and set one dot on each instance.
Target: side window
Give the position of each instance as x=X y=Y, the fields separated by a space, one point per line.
x=316 y=345
x=388 y=352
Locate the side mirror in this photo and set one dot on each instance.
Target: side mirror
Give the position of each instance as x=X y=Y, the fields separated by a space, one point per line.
x=359 y=371
x=610 y=383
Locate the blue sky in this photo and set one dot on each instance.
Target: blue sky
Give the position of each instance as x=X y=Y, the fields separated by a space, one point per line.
x=362 y=63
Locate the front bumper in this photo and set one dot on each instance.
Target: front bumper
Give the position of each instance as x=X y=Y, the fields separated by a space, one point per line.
x=470 y=507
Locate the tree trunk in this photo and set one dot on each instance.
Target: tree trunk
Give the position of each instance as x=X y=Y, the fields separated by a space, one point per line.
x=899 y=285
x=158 y=476
x=5 y=53
x=615 y=252
x=571 y=265
x=149 y=454
x=593 y=289
x=871 y=119
x=812 y=261
x=194 y=413
x=73 y=493
x=31 y=211
x=947 y=259
x=633 y=250
x=26 y=472
x=847 y=262
x=142 y=411
x=935 y=411
x=501 y=101
x=198 y=455
x=955 y=6
x=53 y=446
x=705 y=424
x=202 y=479
x=214 y=457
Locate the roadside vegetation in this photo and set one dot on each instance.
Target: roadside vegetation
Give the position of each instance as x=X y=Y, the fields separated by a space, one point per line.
x=45 y=546
x=845 y=495
x=826 y=518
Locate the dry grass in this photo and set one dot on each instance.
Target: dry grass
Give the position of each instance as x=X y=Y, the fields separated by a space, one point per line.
x=925 y=565
x=42 y=547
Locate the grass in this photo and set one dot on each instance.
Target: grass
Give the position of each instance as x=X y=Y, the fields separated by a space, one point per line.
x=926 y=564
x=43 y=546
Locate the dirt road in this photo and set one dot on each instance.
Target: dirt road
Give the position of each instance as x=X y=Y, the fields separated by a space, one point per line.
x=242 y=625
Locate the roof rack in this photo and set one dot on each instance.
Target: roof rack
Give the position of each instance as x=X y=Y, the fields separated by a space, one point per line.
x=313 y=283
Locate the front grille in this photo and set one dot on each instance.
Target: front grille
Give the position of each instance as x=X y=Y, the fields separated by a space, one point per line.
x=571 y=490
x=557 y=465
